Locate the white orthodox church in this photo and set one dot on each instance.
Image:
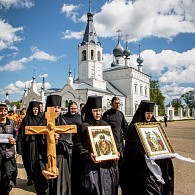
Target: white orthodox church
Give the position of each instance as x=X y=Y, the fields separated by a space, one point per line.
x=129 y=84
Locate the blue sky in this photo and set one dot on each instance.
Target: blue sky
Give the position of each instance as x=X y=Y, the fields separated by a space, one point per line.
x=42 y=37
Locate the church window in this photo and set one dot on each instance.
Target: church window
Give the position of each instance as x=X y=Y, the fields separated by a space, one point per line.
x=136 y=106
x=135 y=87
x=146 y=91
x=92 y=54
x=66 y=104
x=141 y=90
x=99 y=56
x=84 y=55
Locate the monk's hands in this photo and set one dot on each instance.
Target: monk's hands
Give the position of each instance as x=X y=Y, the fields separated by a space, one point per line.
x=56 y=136
x=93 y=158
x=12 y=140
x=48 y=175
x=118 y=156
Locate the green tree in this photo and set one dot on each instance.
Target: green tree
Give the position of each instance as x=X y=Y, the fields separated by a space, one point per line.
x=176 y=103
x=157 y=96
x=189 y=98
x=17 y=104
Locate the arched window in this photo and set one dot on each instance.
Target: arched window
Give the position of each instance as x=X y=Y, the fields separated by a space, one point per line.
x=84 y=55
x=67 y=104
x=99 y=56
x=135 y=87
x=146 y=91
x=92 y=54
x=141 y=90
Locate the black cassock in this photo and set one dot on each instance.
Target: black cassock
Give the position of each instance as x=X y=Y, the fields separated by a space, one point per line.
x=119 y=126
x=27 y=145
x=96 y=178
x=62 y=184
x=75 y=172
x=135 y=176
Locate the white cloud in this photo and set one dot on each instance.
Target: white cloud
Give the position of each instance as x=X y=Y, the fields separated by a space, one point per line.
x=170 y=66
x=16 y=3
x=20 y=64
x=43 y=75
x=142 y=18
x=157 y=18
x=174 y=91
x=19 y=86
x=8 y=35
x=107 y=60
x=72 y=34
x=70 y=11
x=41 y=55
x=14 y=65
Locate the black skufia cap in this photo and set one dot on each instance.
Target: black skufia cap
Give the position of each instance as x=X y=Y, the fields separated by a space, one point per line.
x=53 y=100
x=94 y=102
x=145 y=106
x=31 y=105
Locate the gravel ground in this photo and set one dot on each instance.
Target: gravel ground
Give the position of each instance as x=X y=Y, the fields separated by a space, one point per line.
x=182 y=137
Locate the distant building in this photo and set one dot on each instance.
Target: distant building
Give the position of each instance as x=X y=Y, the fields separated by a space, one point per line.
x=32 y=94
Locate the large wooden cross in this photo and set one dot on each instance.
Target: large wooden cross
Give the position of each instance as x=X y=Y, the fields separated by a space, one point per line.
x=50 y=130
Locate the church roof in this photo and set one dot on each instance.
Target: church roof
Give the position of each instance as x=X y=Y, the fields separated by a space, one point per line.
x=113 y=89
x=90 y=36
x=110 y=89
x=117 y=67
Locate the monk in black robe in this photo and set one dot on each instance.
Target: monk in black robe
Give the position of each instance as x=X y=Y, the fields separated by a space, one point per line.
x=119 y=125
x=135 y=176
x=97 y=178
x=72 y=117
x=47 y=183
x=27 y=142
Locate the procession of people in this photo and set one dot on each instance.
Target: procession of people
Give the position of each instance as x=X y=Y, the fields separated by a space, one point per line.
x=59 y=162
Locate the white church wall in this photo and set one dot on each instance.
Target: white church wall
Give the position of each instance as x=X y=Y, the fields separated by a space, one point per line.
x=138 y=91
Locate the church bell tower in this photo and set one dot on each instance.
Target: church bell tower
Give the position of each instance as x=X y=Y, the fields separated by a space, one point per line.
x=90 y=56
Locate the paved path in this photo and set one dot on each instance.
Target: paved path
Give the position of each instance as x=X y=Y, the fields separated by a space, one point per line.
x=182 y=137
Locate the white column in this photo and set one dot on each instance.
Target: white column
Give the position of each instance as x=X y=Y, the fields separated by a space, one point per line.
x=180 y=112
x=156 y=110
x=193 y=112
x=187 y=112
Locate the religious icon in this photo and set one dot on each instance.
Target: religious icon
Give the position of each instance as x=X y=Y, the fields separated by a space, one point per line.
x=103 y=143
x=154 y=139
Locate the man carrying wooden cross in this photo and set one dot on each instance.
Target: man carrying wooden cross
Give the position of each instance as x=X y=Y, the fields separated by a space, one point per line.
x=56 y=145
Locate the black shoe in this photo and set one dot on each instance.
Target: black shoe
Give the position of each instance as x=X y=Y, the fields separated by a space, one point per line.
x=29 y=182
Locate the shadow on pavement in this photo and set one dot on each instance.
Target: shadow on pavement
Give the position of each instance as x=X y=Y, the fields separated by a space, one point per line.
x=21 y=184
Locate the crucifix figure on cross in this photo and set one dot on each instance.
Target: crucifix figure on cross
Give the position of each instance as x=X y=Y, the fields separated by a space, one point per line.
x=50 y=131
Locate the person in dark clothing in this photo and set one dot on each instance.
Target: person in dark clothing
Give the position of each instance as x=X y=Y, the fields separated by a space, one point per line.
x=119 y=125
x=98 y=178
x=73 y=118
x=28 y=145
x=136 y=177
x=51 y=184
x=165 y=120
x=41 y=109
x=8 y=166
